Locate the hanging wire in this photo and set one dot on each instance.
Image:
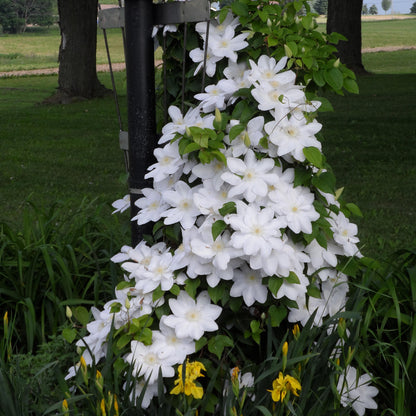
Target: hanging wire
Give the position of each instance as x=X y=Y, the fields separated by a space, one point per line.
x=112 y=75
x=125 y=152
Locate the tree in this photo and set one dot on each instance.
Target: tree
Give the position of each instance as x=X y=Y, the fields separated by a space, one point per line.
x=77 y=52
x=386 y=4
x=364 y=10
x=321 y=6
x=15 y=15
x=413 y=8
x=344 y=17
x=373 y=9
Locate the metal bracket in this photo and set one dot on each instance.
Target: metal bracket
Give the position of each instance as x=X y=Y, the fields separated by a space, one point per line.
x=164 y=14
x=123 y=139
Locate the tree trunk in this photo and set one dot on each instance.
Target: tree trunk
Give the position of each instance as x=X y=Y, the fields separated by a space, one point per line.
x=77 y=52
x=345 y=17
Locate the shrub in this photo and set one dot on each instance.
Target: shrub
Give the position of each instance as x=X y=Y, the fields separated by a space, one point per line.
x=250 y=237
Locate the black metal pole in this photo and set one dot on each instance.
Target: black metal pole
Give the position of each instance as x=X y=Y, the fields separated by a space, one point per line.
x=140 y=99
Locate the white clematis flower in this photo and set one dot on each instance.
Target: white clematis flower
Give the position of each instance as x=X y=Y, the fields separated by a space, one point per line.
x=183 y=208
x=146 y=362
x=248 y=283
x=250 y=177
x=151 y=206
x=356 y=391
x=192 y=318
x=226 y=44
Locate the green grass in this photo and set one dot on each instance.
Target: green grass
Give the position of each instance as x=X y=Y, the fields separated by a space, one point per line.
x=379 y=33
x=39 y=49
x=399 y=62
x=54 y=153
x=388 y=33
x=370 y=143
x=59 y=152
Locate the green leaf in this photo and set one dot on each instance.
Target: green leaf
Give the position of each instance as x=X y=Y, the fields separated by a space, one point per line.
x=274 y=284
x=183 y=143
x=215 y=293
x=81 y=315
x=205 y=157
x=200 y=343
x=115 y=307
x=219 y=156
x=235 y=304
x=292 y=278
x=123 y=341
x=325 y=182
x=277 y=315
x=223 y=14
x=302 y=176
x=175 y=290
x=325 y=104
x=298 y=5
x=255 y=326
x=264 y=410
x=145 y=336
x=293 y=47
x=202 y=140
x=308 y=61
x=273 y=41
x=235 y=131
x=307 y=21
x=351 y=86
x=191 y=147
x=288 y=51
x=69 y=334
x=217 y=228
x=334 y=78
x=124 y=284
x=263 y=15
x=240 y=9
x=228 y=208
x=318 y=77
x=191 y=286
x=354 y=209
x=217 y=344
x=314 y=292
x=157 y=294
x=314 y=156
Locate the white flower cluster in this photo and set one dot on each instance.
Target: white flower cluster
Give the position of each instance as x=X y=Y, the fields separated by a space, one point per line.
x=259 y=237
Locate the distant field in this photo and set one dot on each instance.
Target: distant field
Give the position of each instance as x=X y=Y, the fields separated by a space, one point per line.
x=39 y=48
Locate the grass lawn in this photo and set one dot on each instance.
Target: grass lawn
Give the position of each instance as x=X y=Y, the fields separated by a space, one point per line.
x=370 y=141
x=67 y=152
x=52 y=153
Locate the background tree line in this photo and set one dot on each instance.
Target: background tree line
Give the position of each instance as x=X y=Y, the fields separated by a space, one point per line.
x=16 y=15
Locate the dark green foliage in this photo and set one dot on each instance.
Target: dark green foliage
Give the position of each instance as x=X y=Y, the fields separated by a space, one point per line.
x=413 y=8
x=321 y=6
x=386 y=290
x=364 y=10
x=373 y=9
x=29 y=384
x=280 y=29
x=386 y=4
x=15 y=15
x=58 y=257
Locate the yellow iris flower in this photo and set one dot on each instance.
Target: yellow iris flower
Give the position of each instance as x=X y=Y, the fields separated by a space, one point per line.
x=192 y=372
x=282 y=385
